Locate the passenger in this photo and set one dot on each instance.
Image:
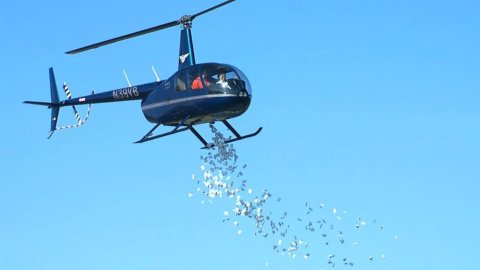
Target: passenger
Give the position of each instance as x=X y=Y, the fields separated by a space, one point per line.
x=197 y=83
x=222 y=82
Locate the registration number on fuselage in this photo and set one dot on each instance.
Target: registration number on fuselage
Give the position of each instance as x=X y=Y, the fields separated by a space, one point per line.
x=125 y=93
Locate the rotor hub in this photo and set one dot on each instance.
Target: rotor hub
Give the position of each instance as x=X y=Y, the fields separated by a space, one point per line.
x=186 y=21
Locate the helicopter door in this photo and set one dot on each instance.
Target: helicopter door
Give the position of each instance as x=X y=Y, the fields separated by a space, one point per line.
x=176 y=95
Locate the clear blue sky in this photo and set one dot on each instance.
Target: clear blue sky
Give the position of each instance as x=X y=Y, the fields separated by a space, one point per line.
x=368 y=107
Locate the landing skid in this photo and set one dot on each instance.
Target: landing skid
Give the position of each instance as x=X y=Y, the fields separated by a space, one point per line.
x=238 y=137
x=149 y=136
x=180 y=128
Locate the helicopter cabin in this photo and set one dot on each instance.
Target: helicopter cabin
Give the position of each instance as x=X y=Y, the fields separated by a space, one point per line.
x=214 y=78
x=203 y=93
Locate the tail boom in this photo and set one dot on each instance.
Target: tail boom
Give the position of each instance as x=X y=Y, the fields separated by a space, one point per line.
x=136 y=92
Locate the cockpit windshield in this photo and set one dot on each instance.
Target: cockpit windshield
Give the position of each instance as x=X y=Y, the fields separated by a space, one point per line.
x=216 y=78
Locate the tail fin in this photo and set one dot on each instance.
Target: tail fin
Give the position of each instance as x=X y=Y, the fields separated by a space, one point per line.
x=55 y=105
x=55 y=100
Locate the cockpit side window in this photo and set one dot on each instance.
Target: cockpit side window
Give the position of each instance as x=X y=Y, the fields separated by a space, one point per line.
x=224 y=80
x=180 y=82
x=233 y=80
x=199 y=79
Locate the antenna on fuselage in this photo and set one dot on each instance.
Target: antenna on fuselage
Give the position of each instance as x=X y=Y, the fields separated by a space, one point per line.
x=126 y=77
x=155 y=73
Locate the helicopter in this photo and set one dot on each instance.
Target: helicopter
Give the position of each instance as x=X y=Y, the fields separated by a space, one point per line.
x=195 y=94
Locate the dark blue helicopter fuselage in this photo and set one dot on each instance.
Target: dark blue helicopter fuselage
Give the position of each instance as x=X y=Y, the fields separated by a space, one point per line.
x=221 y=92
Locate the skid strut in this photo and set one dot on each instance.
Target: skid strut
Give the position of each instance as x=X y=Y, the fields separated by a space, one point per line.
x=206 y=145
x=238 y=137
x=149 y=136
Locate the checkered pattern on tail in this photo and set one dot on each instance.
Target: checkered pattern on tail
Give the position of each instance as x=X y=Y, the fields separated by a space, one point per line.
x=67 y=91
x=77 y=116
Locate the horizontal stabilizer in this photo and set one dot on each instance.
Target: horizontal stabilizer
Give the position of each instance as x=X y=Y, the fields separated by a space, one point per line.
x=49 y=104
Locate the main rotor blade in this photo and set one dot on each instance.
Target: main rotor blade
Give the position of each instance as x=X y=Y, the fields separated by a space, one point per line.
x=132 y=35
x=183 y=20
x=212 y=8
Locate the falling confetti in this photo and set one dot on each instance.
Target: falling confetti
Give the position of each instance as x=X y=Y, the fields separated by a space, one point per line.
x=221 y=178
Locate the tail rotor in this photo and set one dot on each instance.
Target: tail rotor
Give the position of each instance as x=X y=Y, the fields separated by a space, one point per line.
x=80 y=121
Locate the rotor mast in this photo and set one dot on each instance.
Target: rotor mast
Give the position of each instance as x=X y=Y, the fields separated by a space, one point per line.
x=186 y=54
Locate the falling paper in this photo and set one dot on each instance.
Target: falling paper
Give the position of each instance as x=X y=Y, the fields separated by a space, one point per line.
x=304 y=233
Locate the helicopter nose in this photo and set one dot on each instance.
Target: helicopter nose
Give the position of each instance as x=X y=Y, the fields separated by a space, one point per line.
x=245 y=99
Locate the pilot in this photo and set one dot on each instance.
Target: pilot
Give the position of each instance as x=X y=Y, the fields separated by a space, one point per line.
x=222 y=82
x=197 y=83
